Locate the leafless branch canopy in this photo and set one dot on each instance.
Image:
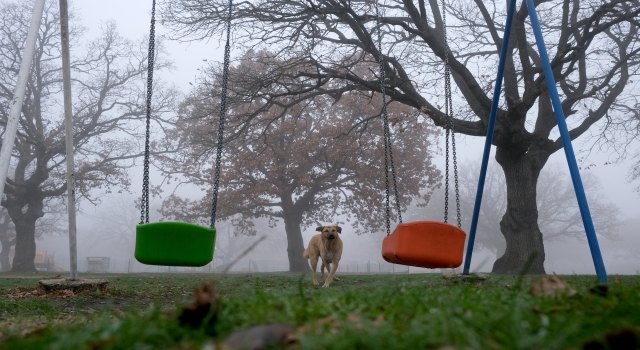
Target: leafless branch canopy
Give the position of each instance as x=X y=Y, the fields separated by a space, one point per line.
x=593 y=46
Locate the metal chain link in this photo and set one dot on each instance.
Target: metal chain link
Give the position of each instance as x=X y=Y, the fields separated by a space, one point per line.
x=144 y=210
x=223 y=110
x=388 y=151
x=446 y=172
x=449 y=126
x=455 y=169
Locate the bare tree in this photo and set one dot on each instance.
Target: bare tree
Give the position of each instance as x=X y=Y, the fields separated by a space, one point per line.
x=559 y=216
x=594 y=46
x=626 y=249
x=233 y=239
x=299 y=164
x=52 y=223
x=634 y=173
x=109 y=93
x=114 y=226
x=7 y=239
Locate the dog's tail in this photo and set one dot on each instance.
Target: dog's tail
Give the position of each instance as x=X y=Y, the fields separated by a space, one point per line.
x=306 y=254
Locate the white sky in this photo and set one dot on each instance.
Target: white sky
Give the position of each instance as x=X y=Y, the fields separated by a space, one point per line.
x=133 y=18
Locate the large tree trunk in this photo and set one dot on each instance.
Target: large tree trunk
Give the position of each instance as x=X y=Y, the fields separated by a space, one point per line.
x=5 y=241
x=25 y=223
x=295 y=246
x=25 y=246
x=5 y=264
x=519 y=225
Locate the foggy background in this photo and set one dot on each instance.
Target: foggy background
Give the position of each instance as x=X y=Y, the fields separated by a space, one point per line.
x=108 y=229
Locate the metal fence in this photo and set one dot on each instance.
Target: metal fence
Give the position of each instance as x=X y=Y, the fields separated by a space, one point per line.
x=94 y=264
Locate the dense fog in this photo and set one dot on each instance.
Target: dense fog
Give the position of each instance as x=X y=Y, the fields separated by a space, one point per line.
x=106 y=228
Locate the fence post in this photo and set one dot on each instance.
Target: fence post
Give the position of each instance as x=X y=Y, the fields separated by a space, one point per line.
x=393 y=268
x=129 y=266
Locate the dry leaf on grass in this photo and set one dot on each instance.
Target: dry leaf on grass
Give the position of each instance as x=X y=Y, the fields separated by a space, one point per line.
x=319 y=323
x=260 y=337
x=355 y=317
x=622 y=340
x=553 y=285
x=601 y=290
x=203 y=308
x=21 y=293
x=379 y=320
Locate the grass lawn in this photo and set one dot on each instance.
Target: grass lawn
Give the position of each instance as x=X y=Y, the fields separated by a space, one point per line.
x=409 y=311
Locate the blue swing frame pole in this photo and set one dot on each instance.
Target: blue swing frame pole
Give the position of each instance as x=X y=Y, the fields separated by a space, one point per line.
x=568 y=148
x=564 y=134
x=489 y=138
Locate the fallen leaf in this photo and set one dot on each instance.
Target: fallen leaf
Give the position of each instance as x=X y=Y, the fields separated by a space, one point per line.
x=318 y=323
x=624 y=339
x=260 y=337
x=379 y=320
x=354 y=317
x=449 y=275
x=602 y=290
x=203 y=308
x=551 y=286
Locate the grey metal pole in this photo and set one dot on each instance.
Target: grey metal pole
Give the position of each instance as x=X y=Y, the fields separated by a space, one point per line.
x=18 y=94
x=68 y=121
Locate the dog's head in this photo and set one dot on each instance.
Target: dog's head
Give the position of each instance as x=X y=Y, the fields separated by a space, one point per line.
x=329 y=232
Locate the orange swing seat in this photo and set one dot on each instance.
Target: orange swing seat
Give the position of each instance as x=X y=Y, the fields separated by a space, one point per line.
x=430 y=244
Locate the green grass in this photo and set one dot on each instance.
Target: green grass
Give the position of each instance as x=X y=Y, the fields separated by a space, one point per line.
x=358 y=312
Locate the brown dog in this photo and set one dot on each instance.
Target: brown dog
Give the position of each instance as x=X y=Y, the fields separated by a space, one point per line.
x=327 y=246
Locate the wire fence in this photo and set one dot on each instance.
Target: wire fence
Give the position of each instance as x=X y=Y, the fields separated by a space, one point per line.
x=95 y=264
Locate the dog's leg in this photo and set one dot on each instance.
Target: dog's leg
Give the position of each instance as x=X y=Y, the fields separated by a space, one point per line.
x=313 y=259
x=329 y=270
x=322 y=267
x=334 y=267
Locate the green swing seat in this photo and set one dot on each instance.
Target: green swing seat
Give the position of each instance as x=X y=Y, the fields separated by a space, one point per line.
x=171 y=243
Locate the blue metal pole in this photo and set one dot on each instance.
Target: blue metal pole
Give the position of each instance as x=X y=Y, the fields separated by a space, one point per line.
x=568 y=148
x=489 y=138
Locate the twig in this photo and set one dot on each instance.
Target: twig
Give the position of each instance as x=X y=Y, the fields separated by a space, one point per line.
x=243 y=254
x=525 y=269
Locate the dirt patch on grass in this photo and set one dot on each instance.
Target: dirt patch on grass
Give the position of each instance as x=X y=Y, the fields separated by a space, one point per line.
x=21 y=293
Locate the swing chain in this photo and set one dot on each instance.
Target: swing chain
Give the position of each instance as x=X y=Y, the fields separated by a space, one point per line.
x=144 y=204
x=388 y=152
x=223 y=109
x=449 y=127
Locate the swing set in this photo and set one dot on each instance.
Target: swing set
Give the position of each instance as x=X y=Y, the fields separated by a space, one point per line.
x=422 y=243
x=430 y=244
